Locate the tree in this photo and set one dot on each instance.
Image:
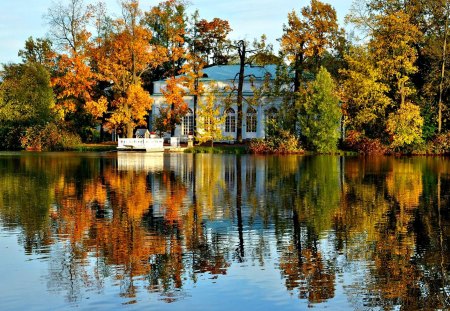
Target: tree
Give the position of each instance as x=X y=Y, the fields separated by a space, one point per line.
x=307 y=37
x=210 y=118
x=193 y=71
x=320 y=114
x=68 y=25
x=176 y=107
x=392 y=45
x=126 y=58
x=209 y=39
x=405 y=126
x=364 y=93
x=73 y=79
x=26 y=100
x=245 y=55
x=167 y=24
x=38 y=51
x=26 y=97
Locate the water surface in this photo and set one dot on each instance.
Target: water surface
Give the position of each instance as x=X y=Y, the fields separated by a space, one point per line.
x=220 y=232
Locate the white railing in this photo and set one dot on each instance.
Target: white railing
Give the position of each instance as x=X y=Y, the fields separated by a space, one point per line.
x=149 y=144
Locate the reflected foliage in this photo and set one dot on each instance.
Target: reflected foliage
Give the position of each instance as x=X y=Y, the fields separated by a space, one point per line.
x=377 y=229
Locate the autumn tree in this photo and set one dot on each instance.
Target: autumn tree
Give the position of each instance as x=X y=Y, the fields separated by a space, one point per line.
x=209 y=39
x=306 y=38
x=128 y=56
x=392 y=45
x=320 y=114
x=193 y=72
x=245 y=53
x=405 y=126
x=167 y=23
x=73 y=80
x=364 y=93
x=174 y=107
x=210 y=117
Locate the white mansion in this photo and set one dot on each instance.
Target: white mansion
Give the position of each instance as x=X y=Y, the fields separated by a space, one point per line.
x=254 y=116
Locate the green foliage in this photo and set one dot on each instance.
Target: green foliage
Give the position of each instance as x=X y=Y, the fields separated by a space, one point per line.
x=9 y=137
x=25 y=94
x=405 y=126
x=277 y=140
x=320 y=114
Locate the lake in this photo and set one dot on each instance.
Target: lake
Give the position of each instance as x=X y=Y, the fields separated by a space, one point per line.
x=141 y=231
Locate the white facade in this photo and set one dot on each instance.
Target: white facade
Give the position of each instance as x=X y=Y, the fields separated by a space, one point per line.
x=225 y=78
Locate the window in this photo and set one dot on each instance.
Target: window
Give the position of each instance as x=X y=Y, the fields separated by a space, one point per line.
x=230 y=121
x=188 y=123
x=271 y=113
x=251 y=120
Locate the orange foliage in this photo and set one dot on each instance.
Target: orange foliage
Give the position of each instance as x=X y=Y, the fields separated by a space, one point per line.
x=97 y=108
x=124 y=59
x=167 y=20
x=174 y=98
x=73 y=82
x=211 y=39
x=306 y=270
x=131 y=109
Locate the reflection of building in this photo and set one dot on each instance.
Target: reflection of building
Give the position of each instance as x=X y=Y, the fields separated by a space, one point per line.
x=225 y=77
x=140 y=161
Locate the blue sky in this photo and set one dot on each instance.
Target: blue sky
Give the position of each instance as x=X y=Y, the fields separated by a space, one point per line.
x=249 y=19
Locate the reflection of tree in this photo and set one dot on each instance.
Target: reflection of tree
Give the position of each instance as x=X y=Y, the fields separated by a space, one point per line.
x=383 y=206
x=24 y=204
x=150 y=231
x=316 y=197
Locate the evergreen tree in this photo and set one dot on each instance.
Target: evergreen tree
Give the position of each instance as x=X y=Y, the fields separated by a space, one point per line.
x=320 y=114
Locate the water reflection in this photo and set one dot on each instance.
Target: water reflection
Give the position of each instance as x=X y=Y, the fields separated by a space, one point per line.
x=373 y=232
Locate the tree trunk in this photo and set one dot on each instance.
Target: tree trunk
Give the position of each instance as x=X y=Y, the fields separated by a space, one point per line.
x=242 y=51
x=195 y=105
x=129 y=130
x=441 y=83
x=240 y=248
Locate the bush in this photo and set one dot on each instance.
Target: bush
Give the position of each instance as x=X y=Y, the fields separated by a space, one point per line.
x=440 y=145
x=49 y=137
x=358 y=142
x=10 y=137
x=282 y=144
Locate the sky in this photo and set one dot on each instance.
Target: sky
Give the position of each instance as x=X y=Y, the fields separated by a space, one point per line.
x=20 y=19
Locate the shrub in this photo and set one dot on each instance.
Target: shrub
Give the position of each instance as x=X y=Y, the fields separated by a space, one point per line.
x=10 y=137
x=49 y=137
x=441 y=143
x=358 y=142
x=284 y=143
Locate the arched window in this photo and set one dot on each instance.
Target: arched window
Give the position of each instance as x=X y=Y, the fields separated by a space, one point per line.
x=188 y=123
x=230 y=121
x=271 y=113
x=251 y=120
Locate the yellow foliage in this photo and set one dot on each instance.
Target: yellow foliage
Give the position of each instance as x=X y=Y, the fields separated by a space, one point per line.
x=405 y=126
x=97 y=108
x=210 y=119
